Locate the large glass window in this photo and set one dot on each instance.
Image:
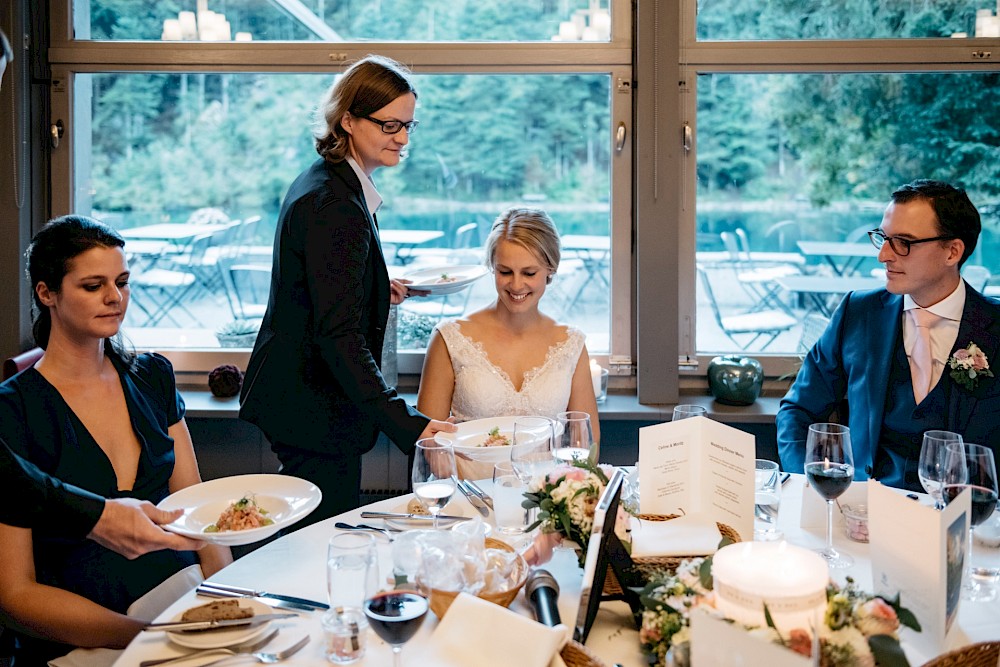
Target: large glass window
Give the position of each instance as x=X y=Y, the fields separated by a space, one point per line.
x=854 y=19
x=345 y=20
x=192 y=168
x=793 y=169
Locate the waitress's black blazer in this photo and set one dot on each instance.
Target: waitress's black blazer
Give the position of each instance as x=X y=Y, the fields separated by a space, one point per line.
x=313 y=381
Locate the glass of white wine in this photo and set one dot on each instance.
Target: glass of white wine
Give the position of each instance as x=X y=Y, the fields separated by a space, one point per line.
x=434 y=474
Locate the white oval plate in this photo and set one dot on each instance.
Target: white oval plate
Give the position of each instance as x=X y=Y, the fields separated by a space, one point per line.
x=427 y=280
x=475 y=461
x=222 y=638
x=457 y=506
x=286 y=499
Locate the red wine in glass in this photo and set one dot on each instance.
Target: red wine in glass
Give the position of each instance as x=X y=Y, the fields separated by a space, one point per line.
x=829 y=479
x=983 y=500
x=395 y=616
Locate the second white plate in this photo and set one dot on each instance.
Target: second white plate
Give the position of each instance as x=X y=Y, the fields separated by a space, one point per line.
x=446 y=279
x=223 y=638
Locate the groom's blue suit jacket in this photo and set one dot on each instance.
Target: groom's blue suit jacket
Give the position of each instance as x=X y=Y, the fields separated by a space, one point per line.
x=851 y=361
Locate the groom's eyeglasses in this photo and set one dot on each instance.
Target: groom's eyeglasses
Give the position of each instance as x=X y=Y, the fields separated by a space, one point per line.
x=899 y=245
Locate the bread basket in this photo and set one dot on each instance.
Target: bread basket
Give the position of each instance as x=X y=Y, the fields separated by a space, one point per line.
x=441 y=600
x=651 y=565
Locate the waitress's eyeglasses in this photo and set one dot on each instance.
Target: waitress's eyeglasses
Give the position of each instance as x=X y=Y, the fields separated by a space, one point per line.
x=394 y=126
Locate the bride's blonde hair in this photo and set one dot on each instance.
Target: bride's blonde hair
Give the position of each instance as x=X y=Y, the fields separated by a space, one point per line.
x=530 y=228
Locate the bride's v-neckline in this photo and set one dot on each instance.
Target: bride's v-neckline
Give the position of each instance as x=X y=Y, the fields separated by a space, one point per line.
x=529 y=374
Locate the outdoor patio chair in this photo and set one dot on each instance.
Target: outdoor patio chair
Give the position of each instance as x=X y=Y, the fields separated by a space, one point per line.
x=757 y=280
x=159 y=290
x=755 y=324
x=247 y=288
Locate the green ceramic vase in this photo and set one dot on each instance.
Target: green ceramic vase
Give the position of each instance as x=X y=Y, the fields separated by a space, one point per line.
x=735 y=380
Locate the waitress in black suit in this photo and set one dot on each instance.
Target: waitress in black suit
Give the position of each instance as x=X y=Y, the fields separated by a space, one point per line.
x=313 y=384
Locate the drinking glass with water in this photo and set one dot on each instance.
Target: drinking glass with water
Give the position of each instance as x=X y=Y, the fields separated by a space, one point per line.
x=767 y=500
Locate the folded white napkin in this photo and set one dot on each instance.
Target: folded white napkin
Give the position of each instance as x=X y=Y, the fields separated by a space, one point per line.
x=684 y=536
x=478 y=632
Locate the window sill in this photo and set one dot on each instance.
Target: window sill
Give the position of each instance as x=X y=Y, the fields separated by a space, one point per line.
x=618 y=407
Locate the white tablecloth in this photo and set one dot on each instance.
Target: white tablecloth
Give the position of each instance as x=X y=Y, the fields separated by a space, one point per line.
x=295 y=565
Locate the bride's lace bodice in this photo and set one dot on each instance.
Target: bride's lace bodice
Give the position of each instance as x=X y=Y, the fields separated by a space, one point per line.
x=483 y=390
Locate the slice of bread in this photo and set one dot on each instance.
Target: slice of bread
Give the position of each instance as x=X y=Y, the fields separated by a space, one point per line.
x=219 y=610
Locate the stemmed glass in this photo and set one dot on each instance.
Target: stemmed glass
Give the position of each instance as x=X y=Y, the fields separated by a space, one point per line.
x=577 y=438
x=531 y=448
x=829 y=467
x=931 y=469
x=981 y=480
x=395 y=616
x=434 y=474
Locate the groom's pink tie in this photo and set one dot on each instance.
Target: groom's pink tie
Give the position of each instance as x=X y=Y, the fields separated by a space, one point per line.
x=921 y=360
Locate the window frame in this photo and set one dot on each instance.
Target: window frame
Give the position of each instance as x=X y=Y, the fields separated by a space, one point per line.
x=899 y=55
x=69 y=57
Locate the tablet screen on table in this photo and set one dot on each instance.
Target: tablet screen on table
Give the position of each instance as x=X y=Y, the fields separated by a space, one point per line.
x=595 y=568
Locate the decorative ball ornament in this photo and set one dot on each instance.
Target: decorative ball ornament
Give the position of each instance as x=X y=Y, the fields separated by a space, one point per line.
x=735 y=380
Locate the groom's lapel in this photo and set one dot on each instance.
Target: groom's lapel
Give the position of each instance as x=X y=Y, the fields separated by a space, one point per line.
x=882 y=330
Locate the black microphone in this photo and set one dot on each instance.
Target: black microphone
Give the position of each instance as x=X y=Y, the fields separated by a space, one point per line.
x=543 y=591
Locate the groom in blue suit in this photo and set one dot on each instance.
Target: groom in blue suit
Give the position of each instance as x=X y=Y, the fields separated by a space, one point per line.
x=869 y=356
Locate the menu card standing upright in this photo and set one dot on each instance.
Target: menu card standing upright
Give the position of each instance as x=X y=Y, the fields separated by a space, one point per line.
x=919 y=553
x=699 y=468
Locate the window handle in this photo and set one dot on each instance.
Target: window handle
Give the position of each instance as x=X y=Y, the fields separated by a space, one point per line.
x=620 y=137
x=56 y=130
x=687 y=138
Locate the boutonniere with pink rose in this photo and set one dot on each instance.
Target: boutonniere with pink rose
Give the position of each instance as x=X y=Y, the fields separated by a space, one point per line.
x=968 y=365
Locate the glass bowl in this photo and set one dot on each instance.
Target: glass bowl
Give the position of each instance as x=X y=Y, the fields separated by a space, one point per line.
x=856 y=521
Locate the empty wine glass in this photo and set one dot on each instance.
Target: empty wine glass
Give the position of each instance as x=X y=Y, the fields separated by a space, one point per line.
x=531 y=447
x=981 y=480
x=395 y=616
x=688 y=411
x=434 y=474
x=829 y=467
x=576 y=440
x=931 y=470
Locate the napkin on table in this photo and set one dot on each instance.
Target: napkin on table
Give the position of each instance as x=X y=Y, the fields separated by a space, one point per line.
x=478 y=632
x=683 y=536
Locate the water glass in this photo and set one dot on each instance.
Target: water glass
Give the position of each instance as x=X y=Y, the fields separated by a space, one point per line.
x=531 y=447
x=351 y=571
x=767 y=499
x=688 y=411
x=576 y=441
x=508 y=494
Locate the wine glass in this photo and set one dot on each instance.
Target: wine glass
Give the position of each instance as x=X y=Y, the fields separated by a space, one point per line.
x=577 y=438
x=829 y=467
x=531 y=447
x=434 y=474
x=931 y=470
x=395 y=616
x=688 y=411
x=981 y=480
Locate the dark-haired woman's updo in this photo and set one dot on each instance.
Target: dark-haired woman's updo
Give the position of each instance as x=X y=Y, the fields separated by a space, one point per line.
x=49 y=257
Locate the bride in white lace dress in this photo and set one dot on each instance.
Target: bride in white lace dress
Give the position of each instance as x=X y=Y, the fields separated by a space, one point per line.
x=509 y=358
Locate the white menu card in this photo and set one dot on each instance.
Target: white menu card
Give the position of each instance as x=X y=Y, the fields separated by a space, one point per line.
x=699 y=468
x=919 y=553
x=717 y=642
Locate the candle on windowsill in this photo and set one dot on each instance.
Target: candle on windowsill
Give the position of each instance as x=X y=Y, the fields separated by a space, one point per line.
x=790 y=580
x=599 y=377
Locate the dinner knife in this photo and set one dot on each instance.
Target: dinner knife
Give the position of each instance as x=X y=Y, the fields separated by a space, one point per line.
x=479 y=492
x=473 y=499
x=249 y=592
x=216 y=624
x=209 y=592
x=413 y=517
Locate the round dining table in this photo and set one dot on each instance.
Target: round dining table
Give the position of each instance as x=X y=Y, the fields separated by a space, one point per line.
x=295 y=565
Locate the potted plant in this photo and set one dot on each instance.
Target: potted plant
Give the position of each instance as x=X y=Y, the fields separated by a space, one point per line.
x=238 y=333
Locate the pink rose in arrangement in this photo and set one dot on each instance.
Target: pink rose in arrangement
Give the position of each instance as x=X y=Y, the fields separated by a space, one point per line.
x=968 y=366
x=962 y=355
x=876 y=617
x=800 y=642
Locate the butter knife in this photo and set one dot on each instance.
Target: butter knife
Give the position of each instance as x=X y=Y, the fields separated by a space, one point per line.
x=473 y=499
x=412 y=517
x=479 y=492
x=212 y=625
x=237 y=591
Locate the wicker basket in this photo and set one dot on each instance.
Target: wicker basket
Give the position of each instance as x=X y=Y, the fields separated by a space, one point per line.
x=575 y=654
x=984 y=654
x=651 y=565
x=441 y=600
